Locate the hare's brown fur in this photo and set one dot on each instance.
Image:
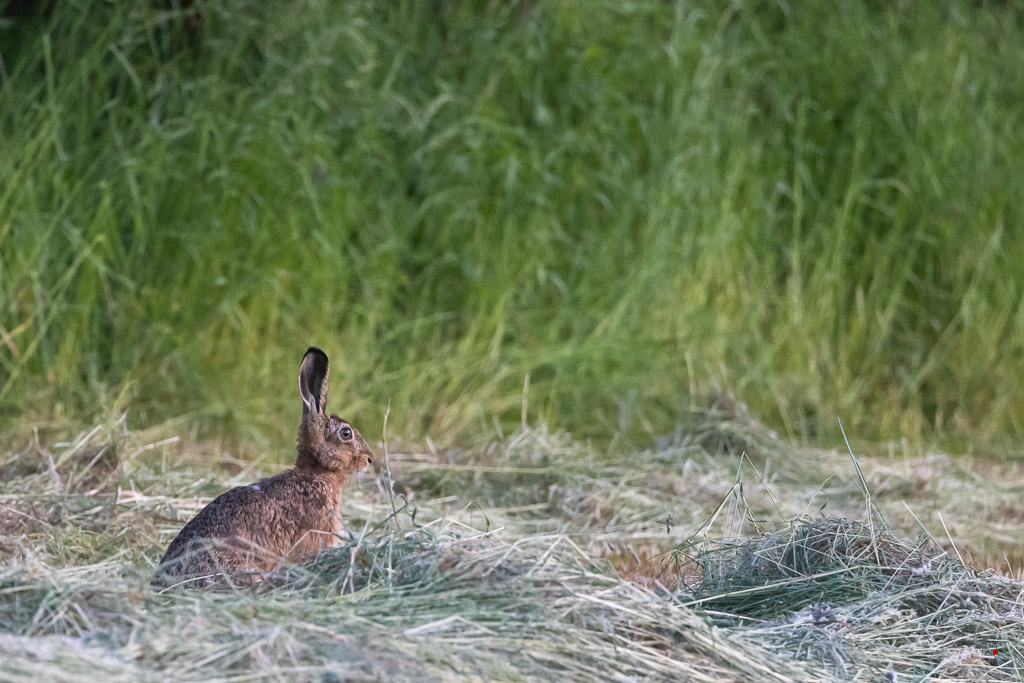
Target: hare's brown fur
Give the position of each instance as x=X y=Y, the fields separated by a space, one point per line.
x=288 y=516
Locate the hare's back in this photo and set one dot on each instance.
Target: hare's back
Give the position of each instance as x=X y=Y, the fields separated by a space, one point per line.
x=233 y=516
x=232 y=513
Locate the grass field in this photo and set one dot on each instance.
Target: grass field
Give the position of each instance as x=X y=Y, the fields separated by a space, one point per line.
x=608 y=270
x=638 y=204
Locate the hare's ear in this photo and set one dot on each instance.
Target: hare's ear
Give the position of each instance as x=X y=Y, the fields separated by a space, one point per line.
x=313 y=382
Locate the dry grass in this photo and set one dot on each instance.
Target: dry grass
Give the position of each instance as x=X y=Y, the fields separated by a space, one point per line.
x=529 y=559
x=855 y=598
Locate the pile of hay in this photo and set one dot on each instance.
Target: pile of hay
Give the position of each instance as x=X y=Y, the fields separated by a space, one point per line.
x=856 y=600
x=447 y=603
x=821 y=600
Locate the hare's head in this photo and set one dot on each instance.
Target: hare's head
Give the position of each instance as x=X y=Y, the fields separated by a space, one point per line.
x=326 y=440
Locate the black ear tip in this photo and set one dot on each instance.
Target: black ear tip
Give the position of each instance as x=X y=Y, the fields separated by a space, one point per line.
x=317 y=352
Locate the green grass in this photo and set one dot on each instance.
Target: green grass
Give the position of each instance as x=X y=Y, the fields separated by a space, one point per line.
x=812 y=206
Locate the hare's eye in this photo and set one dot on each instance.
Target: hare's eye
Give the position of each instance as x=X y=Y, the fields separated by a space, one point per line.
x=346 y=433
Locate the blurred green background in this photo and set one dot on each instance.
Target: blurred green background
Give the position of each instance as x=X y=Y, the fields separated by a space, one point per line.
x=814 y=207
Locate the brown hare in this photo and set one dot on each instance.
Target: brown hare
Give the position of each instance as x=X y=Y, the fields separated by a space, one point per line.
x=288 y=516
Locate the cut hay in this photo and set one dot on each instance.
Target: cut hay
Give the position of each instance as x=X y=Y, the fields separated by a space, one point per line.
x=519 y=578
x=455 y=604
x=855 y=599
